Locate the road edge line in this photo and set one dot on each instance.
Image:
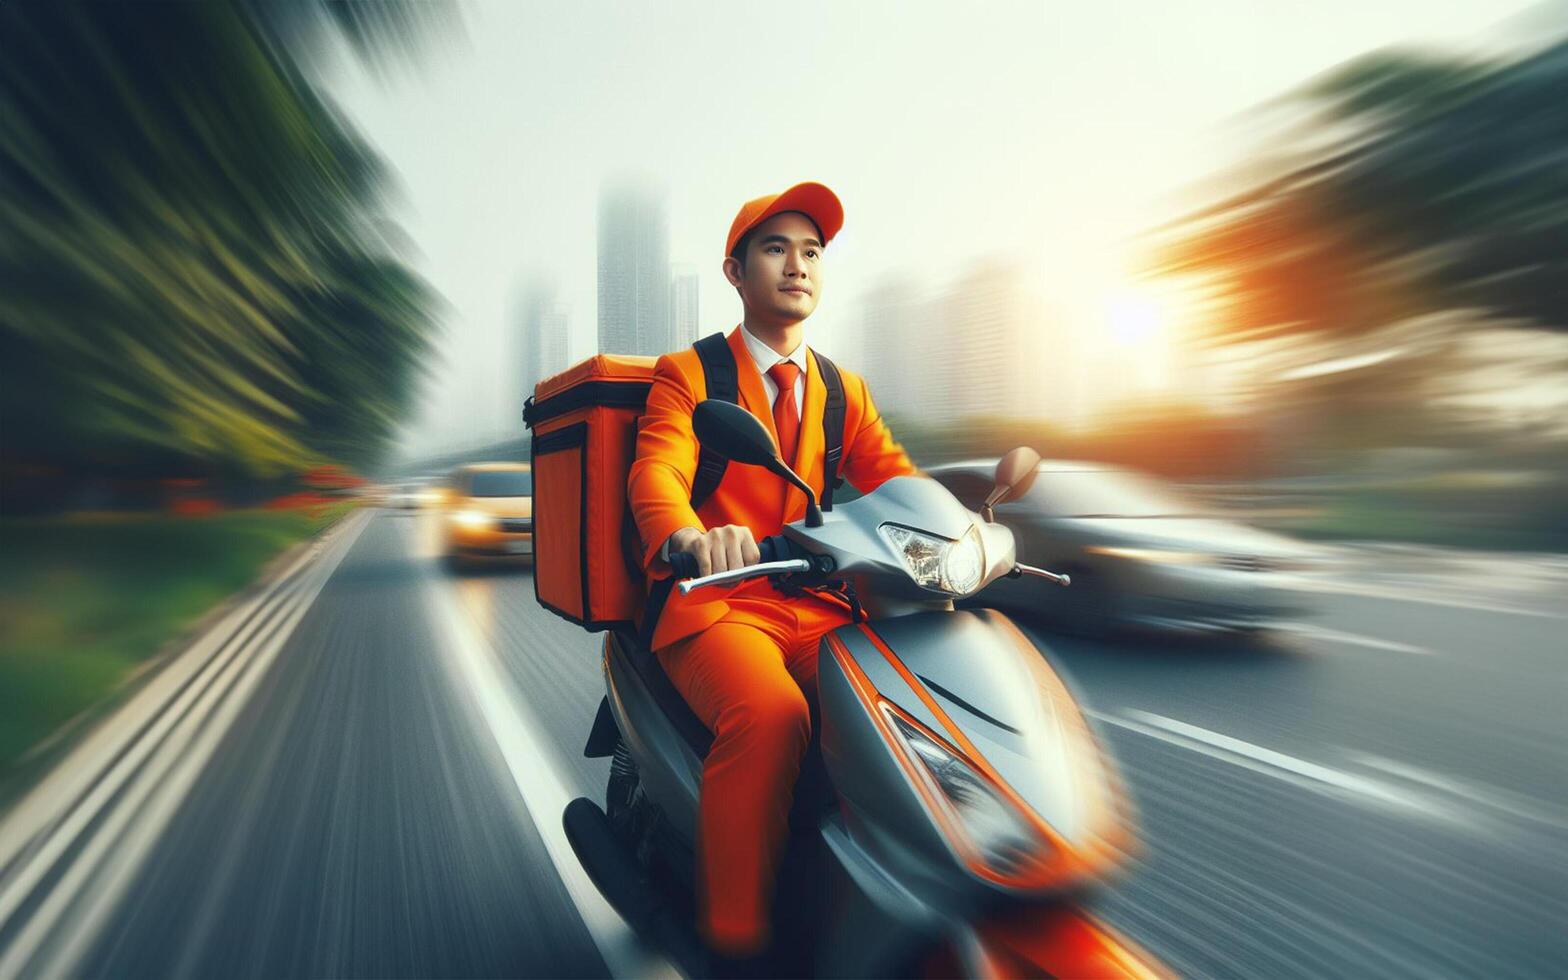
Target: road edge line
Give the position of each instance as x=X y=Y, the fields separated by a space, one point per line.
x=531 y=760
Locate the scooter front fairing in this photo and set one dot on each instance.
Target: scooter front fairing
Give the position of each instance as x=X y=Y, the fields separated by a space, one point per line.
x=969 y=781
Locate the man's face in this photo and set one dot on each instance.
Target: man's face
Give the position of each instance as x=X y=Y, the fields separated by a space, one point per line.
x=782 y=279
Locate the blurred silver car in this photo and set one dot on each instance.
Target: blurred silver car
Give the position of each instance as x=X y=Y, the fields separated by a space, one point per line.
x=1139 y=555
x=412 y=496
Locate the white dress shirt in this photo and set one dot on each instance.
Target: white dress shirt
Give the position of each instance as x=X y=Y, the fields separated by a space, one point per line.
x=765 y=358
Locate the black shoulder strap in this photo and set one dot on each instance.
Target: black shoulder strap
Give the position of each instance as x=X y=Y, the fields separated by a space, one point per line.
x=722 y=378
x=832 y=429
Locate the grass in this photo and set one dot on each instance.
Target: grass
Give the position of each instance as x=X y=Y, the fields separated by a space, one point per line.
x=85 y=600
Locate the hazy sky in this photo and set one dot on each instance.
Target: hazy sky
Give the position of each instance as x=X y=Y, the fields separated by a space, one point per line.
x=1049 y=133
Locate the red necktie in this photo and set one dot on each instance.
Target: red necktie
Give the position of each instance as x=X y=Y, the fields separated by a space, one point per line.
x=786 y=415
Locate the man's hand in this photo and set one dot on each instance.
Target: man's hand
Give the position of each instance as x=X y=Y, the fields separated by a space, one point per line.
x=719 y=550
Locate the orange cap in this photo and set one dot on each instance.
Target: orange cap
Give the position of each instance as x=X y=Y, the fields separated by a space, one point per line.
x=811 y=199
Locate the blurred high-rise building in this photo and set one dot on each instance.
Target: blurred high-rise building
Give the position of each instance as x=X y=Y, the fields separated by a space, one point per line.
x=982 y=347
x=887 y=344
x=969 y=350
x=555 y=326
x=684 y=319
x=544 y=337
x=634 y=271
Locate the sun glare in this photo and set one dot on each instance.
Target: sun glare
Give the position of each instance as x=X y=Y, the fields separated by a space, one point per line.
x=1138 y=348
x=1136 y=318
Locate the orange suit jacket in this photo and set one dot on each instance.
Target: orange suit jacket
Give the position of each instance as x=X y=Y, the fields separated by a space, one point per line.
x=659 y=486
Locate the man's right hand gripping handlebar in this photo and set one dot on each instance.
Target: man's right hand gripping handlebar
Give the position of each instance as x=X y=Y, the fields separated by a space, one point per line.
x=722 y=549
x=722 y=556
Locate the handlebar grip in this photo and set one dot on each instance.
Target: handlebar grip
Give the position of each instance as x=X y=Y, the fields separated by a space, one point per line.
x=775 y=547
x=684 y=565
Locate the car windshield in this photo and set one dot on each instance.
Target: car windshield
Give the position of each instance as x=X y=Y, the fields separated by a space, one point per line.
x=1104 y=493
x=501 y=483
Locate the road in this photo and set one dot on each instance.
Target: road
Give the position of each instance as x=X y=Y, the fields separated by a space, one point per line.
x=370 y=784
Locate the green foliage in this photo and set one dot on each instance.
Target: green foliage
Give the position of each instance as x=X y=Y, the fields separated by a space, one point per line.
x=188 y=270
x=1527 y=518
x=84 y=601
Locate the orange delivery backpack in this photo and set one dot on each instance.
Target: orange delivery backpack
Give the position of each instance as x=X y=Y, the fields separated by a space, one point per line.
x=584 y=427
x=583 y=423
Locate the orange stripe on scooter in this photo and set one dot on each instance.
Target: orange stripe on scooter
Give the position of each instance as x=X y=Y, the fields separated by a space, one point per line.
x=869 y=697
x=1064 y=942
x=1054 y=941
x=1062 y=864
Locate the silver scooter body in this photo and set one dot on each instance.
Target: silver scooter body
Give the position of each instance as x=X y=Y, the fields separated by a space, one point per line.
x=900 y=875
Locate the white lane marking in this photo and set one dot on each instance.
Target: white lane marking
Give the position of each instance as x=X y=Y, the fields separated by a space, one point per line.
x=531 y=758
x=1370 y=591
x=1491 y=797
x=1314 y=632
x=68 y=921
x=1298 y=772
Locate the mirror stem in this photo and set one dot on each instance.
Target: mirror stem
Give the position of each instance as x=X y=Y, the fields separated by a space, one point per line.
x=813 y=509
x=988 y=507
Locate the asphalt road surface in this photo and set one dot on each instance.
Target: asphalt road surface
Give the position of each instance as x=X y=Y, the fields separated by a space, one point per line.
x=363 y=777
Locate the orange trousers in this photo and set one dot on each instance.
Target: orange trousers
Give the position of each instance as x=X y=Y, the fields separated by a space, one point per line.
x=748 y=677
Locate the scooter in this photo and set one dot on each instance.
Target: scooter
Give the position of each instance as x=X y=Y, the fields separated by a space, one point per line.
x=955 y=808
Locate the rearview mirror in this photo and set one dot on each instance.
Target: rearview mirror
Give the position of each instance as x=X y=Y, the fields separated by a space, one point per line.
x=732 y=432
x=738 y=435
x=1015 y=474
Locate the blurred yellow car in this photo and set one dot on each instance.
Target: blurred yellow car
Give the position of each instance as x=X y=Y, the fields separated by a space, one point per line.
x=489 y=512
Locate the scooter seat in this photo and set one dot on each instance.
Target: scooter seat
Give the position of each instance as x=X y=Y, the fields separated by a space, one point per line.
x=664 y=693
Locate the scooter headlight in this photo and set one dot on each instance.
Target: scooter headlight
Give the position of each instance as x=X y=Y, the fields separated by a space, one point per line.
x=954 y=567
x=1000 y=835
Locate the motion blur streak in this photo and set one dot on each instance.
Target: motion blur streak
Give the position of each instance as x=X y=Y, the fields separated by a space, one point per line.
x=531 y=762
x=1265 y=761
x=358 y=819
x=45 y=807
x=1307 y=629
x=362 y=813
x=102 y=840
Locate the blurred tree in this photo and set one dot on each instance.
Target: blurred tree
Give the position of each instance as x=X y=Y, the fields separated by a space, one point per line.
x=1424 y=200
x=1173 y=438
x=1424 y=184
x=189 y=262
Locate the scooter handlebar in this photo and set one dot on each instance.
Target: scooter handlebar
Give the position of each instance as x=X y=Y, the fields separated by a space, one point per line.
x=745 y=572
x=684 y=564
x=773 y=548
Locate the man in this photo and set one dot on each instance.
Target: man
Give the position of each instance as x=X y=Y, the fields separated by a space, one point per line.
x=745 y=658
